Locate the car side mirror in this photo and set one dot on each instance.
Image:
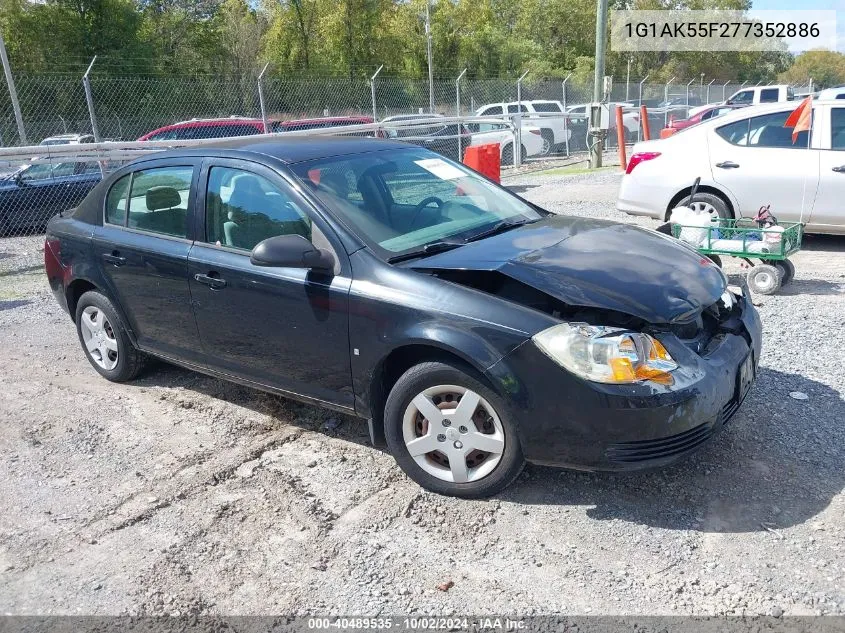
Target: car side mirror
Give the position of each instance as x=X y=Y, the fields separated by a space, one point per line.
x=291 y=251
x=19 y=181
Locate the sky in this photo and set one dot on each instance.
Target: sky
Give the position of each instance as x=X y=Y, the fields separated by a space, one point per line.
x=838 y=5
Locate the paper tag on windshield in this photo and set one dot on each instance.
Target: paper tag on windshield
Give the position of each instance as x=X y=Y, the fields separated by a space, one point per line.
x=440 y=168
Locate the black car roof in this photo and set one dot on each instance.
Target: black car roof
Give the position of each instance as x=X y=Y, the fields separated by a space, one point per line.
x=294 y=149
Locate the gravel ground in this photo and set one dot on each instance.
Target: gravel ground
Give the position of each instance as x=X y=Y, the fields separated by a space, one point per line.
x=183 y=494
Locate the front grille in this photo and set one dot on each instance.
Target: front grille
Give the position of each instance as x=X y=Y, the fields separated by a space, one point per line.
x=728 y=411
x=647 y=450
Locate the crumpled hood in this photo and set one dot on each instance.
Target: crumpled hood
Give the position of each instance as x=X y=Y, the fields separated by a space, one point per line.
x=596 y=263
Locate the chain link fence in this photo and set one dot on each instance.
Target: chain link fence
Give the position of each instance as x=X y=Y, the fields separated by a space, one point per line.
x=36 y=186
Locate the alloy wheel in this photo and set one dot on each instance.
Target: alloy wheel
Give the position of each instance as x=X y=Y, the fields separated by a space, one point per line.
x=99 y=337
x=453 y=433
x=700 y=206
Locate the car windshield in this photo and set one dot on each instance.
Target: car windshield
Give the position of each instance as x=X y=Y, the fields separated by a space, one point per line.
x=401 y=201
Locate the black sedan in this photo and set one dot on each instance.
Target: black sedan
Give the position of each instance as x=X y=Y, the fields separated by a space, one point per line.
x=472 y=329
x=33 y=194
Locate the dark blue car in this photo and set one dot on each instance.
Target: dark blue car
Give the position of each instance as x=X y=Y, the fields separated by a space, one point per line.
x=35 y=193
x=472 y=329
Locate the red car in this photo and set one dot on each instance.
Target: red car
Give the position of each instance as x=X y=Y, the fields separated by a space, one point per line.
x=709 y=113
x=329 y=121
x=242 y=126
x=206 y=128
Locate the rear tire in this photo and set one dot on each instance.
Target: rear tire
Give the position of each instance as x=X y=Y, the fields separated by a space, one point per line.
x=507 y=156
x=711 y=202
x=548 y=143
x=472 y=452
x=104 y=339
x=786 y=270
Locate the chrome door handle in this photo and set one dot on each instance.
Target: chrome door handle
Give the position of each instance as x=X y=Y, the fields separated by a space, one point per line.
x=114 y=258
x=215 y=283
x=839 y=170
x=727 y=165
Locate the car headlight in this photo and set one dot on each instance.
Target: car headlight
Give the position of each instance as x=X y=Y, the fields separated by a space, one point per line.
x=607 y=354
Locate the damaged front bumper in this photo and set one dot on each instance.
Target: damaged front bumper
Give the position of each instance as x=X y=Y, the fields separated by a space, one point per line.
x=564 y=420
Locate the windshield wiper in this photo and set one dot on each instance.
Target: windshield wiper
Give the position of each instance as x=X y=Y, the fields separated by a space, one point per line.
x=499 y=227
x=428 y=249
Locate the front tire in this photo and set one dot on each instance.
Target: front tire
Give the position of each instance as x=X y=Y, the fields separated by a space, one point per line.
x=451 y=433
x=104 y=339
x=764 y=279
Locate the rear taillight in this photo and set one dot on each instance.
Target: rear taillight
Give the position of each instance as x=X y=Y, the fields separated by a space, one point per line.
x=640 y=157
x=52 y=258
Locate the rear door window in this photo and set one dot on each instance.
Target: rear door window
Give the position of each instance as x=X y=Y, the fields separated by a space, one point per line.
x=514 y=108
x=492 y=111
x=116 y=201
x=763 y=131
x=158 y=200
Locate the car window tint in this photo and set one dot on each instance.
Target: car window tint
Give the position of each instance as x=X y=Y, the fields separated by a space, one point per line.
x=92 y=167
x=41 y=171
x=61 y=170
x=513 y=109
x=243 y=209
x=492 y=111
x=219 y=131
x=45 y=171
x=158 y=201
x=746 y=96
x=768 y=131
x=166 y=135
x=116 y=201
x=735 y=133
x=546 y=107
x=837 y=128
x=410 y=198
x=769 y=95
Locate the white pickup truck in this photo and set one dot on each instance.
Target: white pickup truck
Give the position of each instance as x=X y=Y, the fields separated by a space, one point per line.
x=540 y=113
x=753 y=96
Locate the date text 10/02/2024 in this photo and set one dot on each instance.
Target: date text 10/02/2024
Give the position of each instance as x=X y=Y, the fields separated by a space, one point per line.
x=492 y=623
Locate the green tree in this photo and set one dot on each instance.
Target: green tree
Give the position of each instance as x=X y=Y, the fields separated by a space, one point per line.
x=826 y=68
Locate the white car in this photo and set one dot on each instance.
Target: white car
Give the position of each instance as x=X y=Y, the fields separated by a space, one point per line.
x=547 y=115
x=831 y=93
x=68 y=139
x=501 y=133
x=746 y=159
x=630 y=116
